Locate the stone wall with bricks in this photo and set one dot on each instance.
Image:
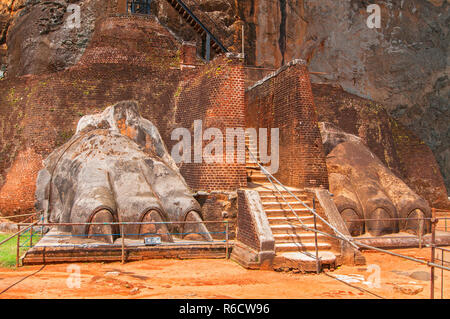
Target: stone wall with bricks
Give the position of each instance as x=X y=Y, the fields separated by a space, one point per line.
x=129 y=58
x=284 y=100
x=215 y=95
x=245 y=224
x=398 y=148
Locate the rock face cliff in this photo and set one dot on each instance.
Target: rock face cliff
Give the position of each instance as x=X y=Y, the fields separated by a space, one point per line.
x=38 y=37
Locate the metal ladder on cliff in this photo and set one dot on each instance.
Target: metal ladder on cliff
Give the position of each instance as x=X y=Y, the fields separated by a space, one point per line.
x=211 y=42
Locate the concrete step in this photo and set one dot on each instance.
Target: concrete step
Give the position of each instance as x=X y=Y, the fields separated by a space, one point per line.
x=256 y=173
x=292 y=229
x=307 y=237
x=274 y=192
x=277 y=220
x=278 y=212
x=282 y=205
x=282 y=247
x=305 y=262
x=257 y=176
x=257 y=179
x=284 y=195
x=286 y=199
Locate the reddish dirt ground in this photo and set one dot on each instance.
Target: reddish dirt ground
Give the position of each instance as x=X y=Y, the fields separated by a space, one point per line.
x=218 y=278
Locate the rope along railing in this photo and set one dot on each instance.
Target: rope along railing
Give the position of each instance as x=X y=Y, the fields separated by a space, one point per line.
x=355 y=243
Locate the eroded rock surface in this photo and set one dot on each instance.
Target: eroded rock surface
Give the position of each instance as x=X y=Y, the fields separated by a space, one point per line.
x=117 y=168
x=367 y=193
x=406 y=155
x=40 y=38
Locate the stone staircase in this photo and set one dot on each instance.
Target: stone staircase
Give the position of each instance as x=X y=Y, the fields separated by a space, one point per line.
x=295 y=246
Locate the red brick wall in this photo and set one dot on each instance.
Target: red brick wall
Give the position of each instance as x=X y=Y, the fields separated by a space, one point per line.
x=128 y=58
x=246 y=231
x=284 y=100
x=39 y=113
x=219 y=206
x=419 y=168
x=188 y=54
x=215 y=96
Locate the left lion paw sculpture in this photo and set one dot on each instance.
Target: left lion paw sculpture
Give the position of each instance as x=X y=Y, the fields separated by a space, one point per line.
x=116 y=168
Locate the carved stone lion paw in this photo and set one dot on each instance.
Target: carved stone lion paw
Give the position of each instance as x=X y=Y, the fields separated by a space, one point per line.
x=116 y=168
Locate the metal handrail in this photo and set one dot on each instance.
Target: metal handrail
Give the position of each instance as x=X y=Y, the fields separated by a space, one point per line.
x=270 y=177
x=193 y=16
x=302 y=224
x=19 y=232
x=340 y=236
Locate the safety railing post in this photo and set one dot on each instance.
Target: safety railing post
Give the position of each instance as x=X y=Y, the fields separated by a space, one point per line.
x=315 y=238
x=420 y=233
x=442 y=274
x=226 y=239
x=31 y=236
x=18 y=247
x=208 y=47
x=123 y=243
x=433 y=251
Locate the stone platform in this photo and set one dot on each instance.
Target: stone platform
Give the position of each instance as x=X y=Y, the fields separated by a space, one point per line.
x=403 y=240
x=59 y=247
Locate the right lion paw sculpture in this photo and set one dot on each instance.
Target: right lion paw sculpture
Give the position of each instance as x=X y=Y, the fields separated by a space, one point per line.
x=367 y=194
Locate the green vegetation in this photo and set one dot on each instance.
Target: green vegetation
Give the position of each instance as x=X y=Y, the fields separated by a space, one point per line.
x=8 y=249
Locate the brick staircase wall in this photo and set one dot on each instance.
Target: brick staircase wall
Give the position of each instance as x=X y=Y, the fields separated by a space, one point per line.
x=254 y=246
x=284 y=100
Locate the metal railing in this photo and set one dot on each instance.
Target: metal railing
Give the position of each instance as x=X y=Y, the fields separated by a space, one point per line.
x=443 y=214
x=443 y=261
x=139 y=6
x=355 y=243
x=194 y=17
x=135 y=240
x=18 y=234
x=272 y=178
